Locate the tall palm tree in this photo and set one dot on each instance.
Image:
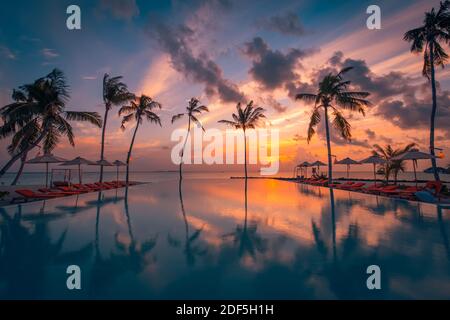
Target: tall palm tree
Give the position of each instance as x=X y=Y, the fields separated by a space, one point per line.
x=38 y=115
x=247 y=118
x=427 y=39
x=194 y=108
x=388 y=153
x=139 y=109
x=115 y=93
x=332 y=95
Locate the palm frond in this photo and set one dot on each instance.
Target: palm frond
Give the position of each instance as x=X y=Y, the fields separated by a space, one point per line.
x=85 y=116
x=314 y=121
x=342 y=125
x=177 y=116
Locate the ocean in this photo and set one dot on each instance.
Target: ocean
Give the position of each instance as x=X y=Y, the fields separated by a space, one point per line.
x=38 y=178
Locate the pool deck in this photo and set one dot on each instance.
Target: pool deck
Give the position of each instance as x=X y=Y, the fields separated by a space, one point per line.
x=12 y=195
x=445 y=203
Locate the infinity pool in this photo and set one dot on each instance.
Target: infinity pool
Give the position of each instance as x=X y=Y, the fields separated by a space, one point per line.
x=223 y=239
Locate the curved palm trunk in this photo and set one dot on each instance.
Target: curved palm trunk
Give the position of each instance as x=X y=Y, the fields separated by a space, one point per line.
x=433 y=113
x=245 y=155
x=330 y=165
x=184 y=146
x=129 y=152
x=102 y=148
x=22 y=164
x=20 y=154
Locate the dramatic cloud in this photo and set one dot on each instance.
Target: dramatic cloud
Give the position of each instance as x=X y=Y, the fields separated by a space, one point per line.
x=413 y=112
x=120 y=9
x=272 y=68
x=270 y=101
x=199 y=68
x=288 y=24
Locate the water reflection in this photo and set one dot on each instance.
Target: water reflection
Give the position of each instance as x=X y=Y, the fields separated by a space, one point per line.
x=27 y=253
x=130 y=255
x=225 y=239
x=192 y=248
x=245 y=237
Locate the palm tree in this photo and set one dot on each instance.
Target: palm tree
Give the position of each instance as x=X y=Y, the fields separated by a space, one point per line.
x=333 y=93
x=427 y=39
x=194 y=108
x=115 y=93
x=38 y=115
x=388 y=153
x=245 y=119
x=139 y=108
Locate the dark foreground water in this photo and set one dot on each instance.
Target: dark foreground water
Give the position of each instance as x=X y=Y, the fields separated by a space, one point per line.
x=222 y=239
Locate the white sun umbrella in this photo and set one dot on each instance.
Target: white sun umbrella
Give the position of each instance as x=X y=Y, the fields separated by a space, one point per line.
x=318 y=164
x=46 y=158
x=118 y=164
x=348 y=162
x=414 y=155
x=375 y=159
x=78 y=161
x=103 y=163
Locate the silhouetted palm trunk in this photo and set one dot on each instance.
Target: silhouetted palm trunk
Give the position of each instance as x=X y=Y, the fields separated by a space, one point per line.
x=19 y=173
x=330 y=165
x=245 y=155
x=20 y=154
x=127 y=213
x=184 y=147
x=129 y=152
x=433 y=112
x=102 y=148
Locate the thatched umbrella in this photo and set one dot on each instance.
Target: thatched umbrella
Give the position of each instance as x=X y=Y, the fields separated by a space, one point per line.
x=103 y=163
x=348 y=162
x=414 y=155
x=375 y=159
x=78 y=161
x=46 y=158
x=318 y=164
x=118 y=164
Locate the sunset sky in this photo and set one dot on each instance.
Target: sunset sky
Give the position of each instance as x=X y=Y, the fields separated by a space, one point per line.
x=224 y=51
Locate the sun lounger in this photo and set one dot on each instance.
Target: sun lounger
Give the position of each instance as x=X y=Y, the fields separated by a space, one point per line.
x=353 y=187
x=30 y=194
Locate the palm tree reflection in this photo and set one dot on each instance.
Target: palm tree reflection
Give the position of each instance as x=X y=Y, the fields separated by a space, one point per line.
x=27 y=252
x=192 y=247
x=132 y=255
x=246 y=237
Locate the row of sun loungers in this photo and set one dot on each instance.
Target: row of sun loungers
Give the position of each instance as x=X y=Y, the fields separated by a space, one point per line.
x=73 y=189
x=406 y=192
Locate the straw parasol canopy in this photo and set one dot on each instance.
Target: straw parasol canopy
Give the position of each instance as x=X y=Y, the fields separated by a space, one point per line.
x=78 y=161
x=118 y=164
x=305 y=165
x=318 y=164
x=103 y=163
x=414 y=155
x=348 y=162
x=46 y=158
x=375 y=159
